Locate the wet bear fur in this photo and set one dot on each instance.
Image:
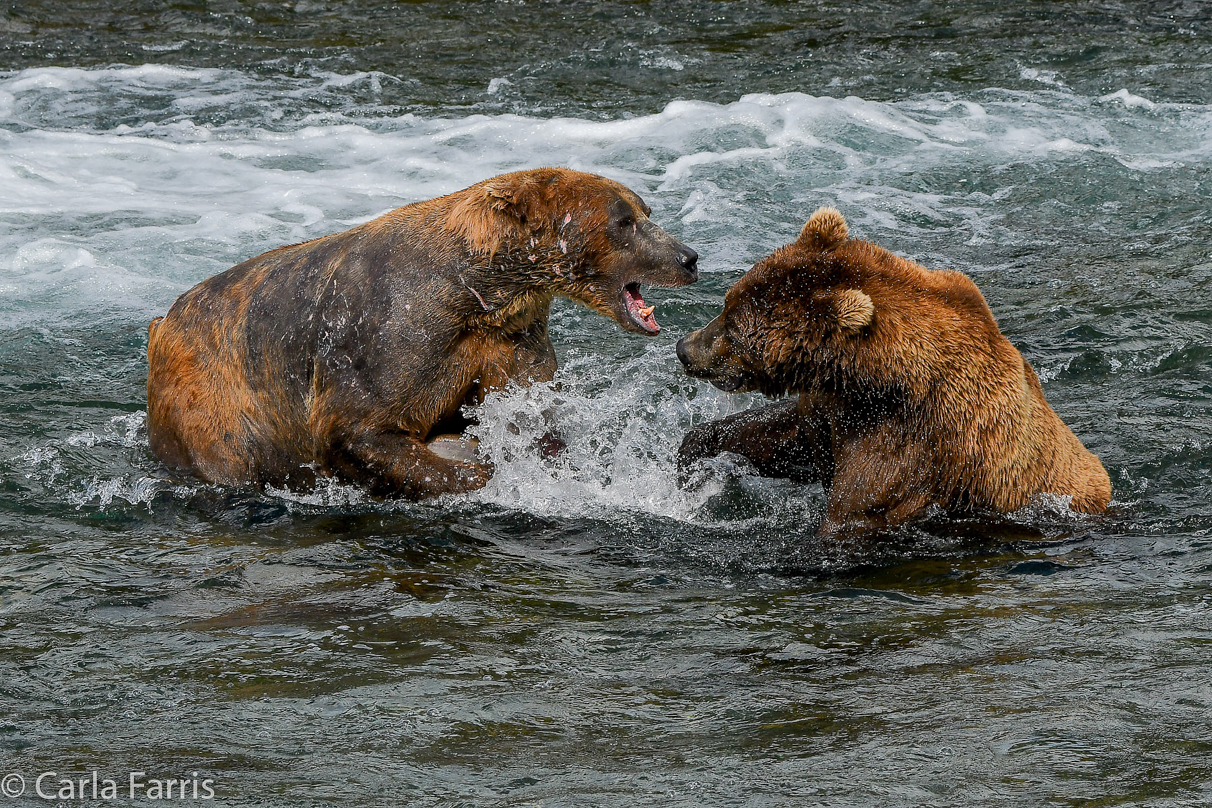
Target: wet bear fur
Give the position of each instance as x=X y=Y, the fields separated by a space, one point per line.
x=343 y=355
x=907 y=394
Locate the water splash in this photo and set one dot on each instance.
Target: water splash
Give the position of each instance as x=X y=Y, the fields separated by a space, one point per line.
x=622 y=427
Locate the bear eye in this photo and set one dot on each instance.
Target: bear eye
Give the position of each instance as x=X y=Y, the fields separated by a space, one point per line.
x=626 y=221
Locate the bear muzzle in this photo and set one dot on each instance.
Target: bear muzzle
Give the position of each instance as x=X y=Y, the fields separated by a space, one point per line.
x=705 y=355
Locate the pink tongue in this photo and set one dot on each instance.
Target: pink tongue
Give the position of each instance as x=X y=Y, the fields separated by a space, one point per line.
x=641 y=313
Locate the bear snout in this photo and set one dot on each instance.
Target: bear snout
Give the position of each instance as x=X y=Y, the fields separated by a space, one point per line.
x=695 y=352
x=671 y=263
x=683 y=356
x=707 y=354
x=679 y=263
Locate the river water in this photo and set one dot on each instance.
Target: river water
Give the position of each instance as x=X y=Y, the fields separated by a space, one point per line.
x=584 y=632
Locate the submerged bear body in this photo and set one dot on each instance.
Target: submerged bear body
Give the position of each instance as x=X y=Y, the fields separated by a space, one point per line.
x=343 y=355
x=908 y=394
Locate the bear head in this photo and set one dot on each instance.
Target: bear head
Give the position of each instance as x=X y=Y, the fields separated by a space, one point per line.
x=576 y=235
x=831 y=313
x=789 y=319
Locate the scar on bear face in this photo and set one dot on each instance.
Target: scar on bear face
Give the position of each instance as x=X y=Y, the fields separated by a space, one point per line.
x=908 y=396
x=352 y=355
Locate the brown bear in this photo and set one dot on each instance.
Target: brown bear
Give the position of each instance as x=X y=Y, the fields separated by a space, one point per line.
x=344 y=355
x=908 y=394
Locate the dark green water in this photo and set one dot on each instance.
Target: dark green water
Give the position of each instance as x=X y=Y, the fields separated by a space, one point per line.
x=584 y=632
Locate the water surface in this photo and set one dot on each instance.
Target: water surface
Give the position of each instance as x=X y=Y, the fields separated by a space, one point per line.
x=585 y=632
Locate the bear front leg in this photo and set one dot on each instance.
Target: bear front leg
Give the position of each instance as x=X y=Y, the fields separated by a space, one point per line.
x=395 y=463
x=786 y=439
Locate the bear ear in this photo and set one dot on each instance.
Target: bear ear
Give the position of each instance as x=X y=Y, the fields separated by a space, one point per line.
x=512 y=195
x=488 y=214
x=824 y=230
x=853 y=309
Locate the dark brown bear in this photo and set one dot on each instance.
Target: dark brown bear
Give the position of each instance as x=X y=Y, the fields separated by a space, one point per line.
x=908 y=394
x=345 y=354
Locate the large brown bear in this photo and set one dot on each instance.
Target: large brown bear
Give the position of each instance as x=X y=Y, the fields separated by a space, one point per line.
x=908 y=394
x=345 y=354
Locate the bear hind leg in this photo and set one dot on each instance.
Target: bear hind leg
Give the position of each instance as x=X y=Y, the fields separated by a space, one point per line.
x=394 y=463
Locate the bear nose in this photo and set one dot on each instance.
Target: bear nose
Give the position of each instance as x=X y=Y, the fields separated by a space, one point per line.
x=683 y=357
x=689 y=258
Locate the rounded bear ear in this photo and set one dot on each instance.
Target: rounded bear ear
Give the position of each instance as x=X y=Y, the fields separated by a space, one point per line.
x=492 y=212
x=853 y=309
x=497 y=209
x=824 y=230
x=511 y=194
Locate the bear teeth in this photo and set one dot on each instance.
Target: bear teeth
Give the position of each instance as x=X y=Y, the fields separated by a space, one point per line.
x=639 y=313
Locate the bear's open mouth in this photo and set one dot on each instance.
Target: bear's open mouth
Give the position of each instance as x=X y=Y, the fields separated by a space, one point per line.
x=637 y=312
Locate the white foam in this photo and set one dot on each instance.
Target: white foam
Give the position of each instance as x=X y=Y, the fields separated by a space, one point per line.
x=1049 y=77
x=167 y=47
x=160 y=201
x=1128 y=100
x=662 y=62
x=683 y=167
